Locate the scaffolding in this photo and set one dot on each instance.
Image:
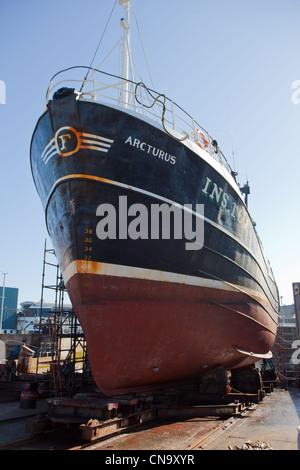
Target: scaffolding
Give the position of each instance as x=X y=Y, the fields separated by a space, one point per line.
x=61 y=344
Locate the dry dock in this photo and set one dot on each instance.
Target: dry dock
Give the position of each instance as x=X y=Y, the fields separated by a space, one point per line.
x=272 y=422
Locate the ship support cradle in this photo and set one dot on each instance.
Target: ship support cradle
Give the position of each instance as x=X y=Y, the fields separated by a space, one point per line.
x=97 y=417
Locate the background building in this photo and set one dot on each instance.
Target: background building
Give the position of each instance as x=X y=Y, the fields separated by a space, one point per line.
x=287 y=314
x=9 y=310
x=32 y=319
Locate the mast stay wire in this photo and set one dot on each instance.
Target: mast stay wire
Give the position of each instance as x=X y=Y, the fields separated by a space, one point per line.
x=85 y=78
x=109 y=54
x=138 y=29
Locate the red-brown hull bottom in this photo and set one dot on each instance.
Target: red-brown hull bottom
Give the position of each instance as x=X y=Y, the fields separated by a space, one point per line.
x=142 y=334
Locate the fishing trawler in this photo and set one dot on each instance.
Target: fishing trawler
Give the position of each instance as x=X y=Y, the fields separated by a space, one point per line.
x=159 y=254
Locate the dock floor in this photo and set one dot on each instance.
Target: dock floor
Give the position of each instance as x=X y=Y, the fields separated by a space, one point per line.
x=274 y=421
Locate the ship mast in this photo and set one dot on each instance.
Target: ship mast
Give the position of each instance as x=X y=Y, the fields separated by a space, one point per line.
x=125 y=23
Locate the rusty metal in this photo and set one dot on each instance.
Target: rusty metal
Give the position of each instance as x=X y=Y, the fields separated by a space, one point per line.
x=99 y=417
x=183 y=412
x=77 y=410
x=247 y=381
x=94 y=429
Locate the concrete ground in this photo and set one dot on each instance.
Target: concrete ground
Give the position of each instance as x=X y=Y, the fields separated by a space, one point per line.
x=12 y=426
x=274 y=421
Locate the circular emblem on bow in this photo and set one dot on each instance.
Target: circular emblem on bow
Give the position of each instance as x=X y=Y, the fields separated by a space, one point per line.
x=67 y=141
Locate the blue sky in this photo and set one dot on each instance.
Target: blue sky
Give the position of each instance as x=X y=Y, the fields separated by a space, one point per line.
x=229 y=63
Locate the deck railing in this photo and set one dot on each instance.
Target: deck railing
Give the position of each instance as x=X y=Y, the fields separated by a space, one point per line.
x=95 y=85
